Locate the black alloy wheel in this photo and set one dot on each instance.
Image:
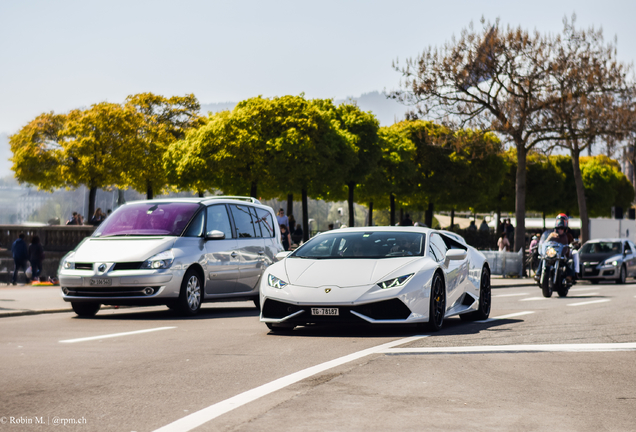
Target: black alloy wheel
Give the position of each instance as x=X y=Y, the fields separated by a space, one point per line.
x=483 y=312
x=438 y=303
x=85 y=310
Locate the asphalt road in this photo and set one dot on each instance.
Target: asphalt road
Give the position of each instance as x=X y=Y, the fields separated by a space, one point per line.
x=562 y=364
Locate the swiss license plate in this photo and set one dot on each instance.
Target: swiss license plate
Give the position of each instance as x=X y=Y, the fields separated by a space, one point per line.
x=325 y=311
x=101 y=282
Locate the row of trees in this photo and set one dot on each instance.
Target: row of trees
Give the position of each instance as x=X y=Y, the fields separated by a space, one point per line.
x=536 y=91
x=275 y=148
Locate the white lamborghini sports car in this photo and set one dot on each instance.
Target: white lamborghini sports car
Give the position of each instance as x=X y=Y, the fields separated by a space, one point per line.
x=377 y=275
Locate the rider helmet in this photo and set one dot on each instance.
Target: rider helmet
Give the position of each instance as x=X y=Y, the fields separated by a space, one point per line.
x=563 y=217
x=560 y=223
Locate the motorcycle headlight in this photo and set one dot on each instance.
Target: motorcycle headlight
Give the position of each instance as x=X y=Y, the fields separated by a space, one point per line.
x=395 y=282
x=66 y=264
x=274 y=282
x=611 y=262
x=162 y=260
x=550 y=253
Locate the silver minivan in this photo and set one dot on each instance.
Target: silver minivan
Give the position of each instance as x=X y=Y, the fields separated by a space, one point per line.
x=174 y=252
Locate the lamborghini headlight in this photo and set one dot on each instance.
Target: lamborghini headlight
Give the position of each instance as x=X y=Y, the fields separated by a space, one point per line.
x=162 y=260
x=395 y=282
x=274 y=282
x=550 y=252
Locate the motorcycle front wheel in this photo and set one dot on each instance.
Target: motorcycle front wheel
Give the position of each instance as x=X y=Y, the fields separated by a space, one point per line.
x=546 y=286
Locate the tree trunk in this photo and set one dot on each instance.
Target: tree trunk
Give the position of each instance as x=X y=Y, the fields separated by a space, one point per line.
x=121 y=199
x=253 y=190
x=305 y=216
x=351 y=187
x=149 y=192
x=401 y=215
x=371 y=213
x=520 y=199
x=580 y=196
x=452 y=219
x=92 y=196
x=290 y=205
x=543 y=221
x=392 y=200
x=428 y=216
x=201 y=194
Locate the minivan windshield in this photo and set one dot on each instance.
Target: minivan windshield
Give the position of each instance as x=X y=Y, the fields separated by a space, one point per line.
x=372 y=244
x=148 y=219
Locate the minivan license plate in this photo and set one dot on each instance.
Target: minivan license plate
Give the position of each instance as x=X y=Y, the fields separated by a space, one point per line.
x=101 y=282
x=324 y=311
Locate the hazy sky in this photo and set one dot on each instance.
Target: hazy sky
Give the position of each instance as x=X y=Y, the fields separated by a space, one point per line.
x=63 y=54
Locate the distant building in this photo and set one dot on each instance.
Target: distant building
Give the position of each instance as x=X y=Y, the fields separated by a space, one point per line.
x=29 y=202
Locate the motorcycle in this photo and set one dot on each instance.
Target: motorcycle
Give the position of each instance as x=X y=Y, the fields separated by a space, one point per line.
x=553 y=267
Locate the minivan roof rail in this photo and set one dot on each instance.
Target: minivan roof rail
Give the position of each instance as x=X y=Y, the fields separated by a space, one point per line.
x=244 y=198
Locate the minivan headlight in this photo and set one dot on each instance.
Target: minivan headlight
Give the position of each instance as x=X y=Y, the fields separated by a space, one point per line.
x=162 y=260
x=66 y=264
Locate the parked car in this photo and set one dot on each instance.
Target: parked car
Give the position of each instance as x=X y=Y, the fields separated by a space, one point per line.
x=377 y=275
x=608 y=259
x=174 y=252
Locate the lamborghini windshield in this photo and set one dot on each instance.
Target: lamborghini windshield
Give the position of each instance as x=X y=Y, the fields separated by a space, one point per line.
x=372 y=244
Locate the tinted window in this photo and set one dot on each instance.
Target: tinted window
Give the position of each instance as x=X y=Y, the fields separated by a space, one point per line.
x=601 y=248
x=257 y=227
x=343 y=244
x=265 y=222
x=438 y=246
x=148 y=218
x=243 y=221
x=218 y=220
x=196 y=226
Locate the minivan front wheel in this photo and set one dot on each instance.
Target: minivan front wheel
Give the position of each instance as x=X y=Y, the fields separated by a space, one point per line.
x=190 y=296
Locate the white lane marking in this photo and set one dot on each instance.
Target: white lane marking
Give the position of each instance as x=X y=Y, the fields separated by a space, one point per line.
x=589 y=302
x=534 y=298
x=593 y=347
x=584 y=294
x=198 y=418
x=511 y=295
x=584 y=289
x=115 y=335
x=512 y=315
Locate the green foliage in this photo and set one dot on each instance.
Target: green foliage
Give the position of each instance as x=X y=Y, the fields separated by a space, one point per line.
x=605 y=185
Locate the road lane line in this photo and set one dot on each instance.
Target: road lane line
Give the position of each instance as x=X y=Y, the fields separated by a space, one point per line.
x=502 y=317
x=584 y=294
x=592 y=347
x=589 y=302
x=511 y=295
x=534 y=298
x=584 y=289
x=213 y=411
x=115 y=335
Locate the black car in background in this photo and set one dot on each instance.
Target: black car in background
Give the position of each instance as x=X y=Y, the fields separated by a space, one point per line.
x=608 y=259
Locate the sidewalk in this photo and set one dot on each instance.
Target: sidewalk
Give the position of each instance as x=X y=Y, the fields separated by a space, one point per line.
x=18 y=300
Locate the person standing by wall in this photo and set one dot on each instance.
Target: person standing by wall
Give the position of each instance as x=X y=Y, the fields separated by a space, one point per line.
x=282 y=219
x=36 y=256
x=503 y=244
x=285 y=237
x=20 y=257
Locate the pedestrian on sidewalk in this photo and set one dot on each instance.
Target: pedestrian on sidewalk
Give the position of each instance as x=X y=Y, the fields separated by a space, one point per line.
x=36 y=257
x=20 y=257
x=503 y=244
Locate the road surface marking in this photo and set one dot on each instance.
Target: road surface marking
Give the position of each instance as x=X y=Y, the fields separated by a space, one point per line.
x=198 y=418
x=589 y=302
x=584 y=289
x=511 y=295
x=502 y=317
x=593 y=347
x=115 y=335
x=584 y=294
x=533 y=298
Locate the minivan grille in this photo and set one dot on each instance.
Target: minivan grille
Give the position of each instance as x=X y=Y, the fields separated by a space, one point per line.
x=128 y=265
x=83 y=266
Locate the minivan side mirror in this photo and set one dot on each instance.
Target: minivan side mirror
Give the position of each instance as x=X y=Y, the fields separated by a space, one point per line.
x=215 y=235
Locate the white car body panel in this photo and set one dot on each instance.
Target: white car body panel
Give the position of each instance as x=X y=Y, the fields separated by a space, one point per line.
x=353 y=283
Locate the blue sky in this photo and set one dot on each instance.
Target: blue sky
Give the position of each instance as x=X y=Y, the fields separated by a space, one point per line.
x=64 y=54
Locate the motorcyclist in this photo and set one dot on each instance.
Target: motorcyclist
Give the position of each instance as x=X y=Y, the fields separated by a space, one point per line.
x=560 y=235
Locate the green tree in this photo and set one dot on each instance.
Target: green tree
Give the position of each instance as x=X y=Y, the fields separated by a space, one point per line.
x=161 y=122
x=37 y=151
